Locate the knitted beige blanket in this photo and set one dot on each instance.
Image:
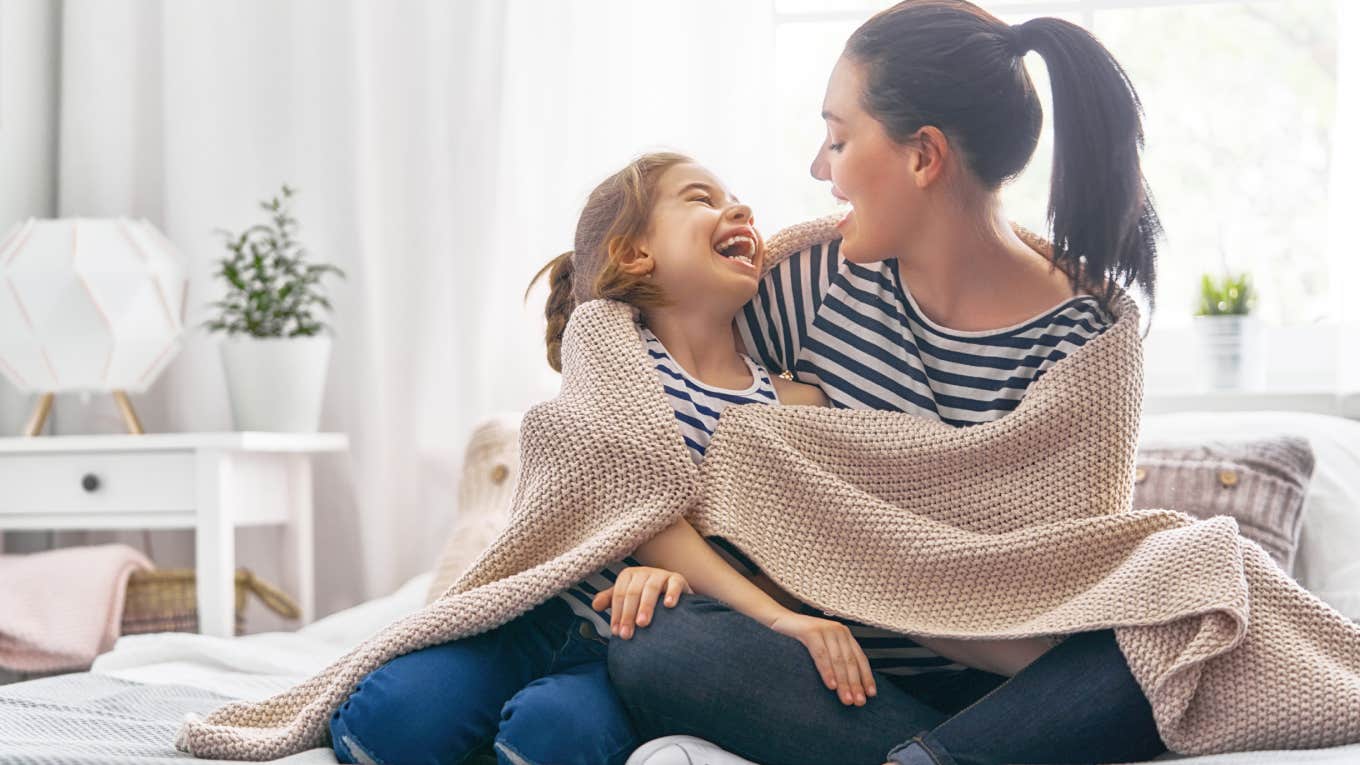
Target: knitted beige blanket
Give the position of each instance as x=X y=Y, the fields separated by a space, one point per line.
x=1017 y=527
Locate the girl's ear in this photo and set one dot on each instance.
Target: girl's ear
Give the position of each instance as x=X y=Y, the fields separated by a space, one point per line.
x=633 y=260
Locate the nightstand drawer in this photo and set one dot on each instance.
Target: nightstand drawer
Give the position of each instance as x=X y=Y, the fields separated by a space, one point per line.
x=82 y=483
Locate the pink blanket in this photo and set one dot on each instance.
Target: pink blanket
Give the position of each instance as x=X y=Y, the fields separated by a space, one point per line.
x=61 y=608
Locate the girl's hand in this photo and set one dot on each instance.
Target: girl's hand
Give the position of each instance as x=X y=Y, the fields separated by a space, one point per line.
x=836 y=653
x=634 y=595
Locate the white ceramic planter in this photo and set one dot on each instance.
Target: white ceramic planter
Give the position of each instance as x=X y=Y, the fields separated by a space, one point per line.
x=276 y=384
x=1230 y=349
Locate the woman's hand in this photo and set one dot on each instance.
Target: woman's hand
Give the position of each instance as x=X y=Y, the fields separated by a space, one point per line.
x=633 y=597
x=836 y=653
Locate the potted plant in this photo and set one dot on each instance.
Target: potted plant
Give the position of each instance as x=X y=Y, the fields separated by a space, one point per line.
x=276 y=349
x=1227 y=331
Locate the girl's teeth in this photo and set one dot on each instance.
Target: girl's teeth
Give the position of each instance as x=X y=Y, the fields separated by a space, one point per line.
x=732 y=240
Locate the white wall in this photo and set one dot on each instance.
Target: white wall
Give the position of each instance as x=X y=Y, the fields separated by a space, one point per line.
x=28 y=135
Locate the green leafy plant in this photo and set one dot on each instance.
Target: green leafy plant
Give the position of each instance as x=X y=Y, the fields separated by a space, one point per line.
x=271 y=290
x=1227 y=296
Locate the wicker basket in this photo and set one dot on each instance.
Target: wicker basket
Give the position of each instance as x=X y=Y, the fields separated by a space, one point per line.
x=164 y=601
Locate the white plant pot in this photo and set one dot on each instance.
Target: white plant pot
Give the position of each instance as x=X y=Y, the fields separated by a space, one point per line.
x=1230 y=349
x=276 y=384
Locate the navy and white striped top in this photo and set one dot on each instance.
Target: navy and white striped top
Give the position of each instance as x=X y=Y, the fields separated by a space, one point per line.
x=856 y=331
x=697 y=407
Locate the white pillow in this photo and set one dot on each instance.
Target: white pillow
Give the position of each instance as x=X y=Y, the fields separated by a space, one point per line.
x=1328 y=561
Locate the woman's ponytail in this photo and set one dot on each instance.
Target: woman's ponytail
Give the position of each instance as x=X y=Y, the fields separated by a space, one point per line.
x=950 y=64
x=1102 y=219
x=560 y=304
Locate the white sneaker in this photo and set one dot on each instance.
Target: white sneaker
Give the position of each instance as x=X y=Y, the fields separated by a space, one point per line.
x=683 y=750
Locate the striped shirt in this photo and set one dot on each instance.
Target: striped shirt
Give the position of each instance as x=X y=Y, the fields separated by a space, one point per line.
x=697 y=407
x=856 y=331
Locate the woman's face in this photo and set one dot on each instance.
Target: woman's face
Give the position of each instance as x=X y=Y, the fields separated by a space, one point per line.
x=706 y=253
x=868 y=169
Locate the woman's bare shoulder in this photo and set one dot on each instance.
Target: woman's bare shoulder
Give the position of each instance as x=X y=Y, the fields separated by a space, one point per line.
x=798 y=394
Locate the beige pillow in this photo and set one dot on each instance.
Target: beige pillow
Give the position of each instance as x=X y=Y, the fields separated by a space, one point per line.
x=490 y=470
x=1261 y=483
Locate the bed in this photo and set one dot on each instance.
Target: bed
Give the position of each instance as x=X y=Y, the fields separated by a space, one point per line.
x=127 y=707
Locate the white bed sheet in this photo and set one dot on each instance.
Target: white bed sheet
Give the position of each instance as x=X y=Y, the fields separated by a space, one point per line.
x=258 y=666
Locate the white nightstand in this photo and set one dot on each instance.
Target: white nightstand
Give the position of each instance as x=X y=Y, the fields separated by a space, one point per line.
x=208 y=482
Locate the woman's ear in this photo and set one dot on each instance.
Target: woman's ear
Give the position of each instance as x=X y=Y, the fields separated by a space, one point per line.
x=929 y=154
x=633 y=260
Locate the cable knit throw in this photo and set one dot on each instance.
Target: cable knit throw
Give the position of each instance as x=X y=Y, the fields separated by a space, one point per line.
x=1017 y=527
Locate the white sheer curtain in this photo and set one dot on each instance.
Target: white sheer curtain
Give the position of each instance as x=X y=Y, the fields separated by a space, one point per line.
x=1344 y=194
x=442 y=151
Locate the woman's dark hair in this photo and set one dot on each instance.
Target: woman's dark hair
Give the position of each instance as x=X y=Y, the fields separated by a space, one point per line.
x=949 y=64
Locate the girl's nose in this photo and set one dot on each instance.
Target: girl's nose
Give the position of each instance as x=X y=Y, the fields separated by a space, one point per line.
x=740 y=213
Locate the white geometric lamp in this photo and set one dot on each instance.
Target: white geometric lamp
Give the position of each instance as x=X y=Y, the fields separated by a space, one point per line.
x=88 y=305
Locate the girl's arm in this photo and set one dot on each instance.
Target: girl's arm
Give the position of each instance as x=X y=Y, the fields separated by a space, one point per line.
x=795 y=393
x=680 y=549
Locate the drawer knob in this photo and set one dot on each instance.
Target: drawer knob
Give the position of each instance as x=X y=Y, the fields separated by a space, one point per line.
x=90 y=482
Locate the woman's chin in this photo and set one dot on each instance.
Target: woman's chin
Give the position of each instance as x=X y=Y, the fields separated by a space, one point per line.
x=855 y=249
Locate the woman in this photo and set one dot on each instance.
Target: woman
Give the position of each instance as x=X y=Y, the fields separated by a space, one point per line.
x=928 y=112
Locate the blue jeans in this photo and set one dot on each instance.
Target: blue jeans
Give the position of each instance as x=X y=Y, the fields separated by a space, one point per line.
x=705 y=670
x=537 y=688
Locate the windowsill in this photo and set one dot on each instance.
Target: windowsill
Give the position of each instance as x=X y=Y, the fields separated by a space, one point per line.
x=1316 y=402
x=1309 y=368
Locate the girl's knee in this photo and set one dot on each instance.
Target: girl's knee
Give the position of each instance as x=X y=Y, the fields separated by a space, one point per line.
x=345 y=740
x=564 y=731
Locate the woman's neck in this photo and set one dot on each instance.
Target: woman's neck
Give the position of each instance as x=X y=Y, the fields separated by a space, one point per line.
x=968 y=270
x=702 y=344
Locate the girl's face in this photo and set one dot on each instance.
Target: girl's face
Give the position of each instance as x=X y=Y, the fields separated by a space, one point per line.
x=704 y=249
x=868 y=169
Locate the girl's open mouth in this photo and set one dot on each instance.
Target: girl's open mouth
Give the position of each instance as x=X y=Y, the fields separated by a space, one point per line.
x=738 y=247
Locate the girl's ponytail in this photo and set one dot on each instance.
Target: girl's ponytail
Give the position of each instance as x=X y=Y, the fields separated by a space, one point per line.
x=560 y=304
x=617 y=212
x=1103 y=223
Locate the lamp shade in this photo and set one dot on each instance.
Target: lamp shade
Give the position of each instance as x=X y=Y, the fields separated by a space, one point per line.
x=89 y=304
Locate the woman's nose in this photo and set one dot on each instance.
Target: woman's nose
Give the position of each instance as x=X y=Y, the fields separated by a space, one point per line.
x=820 y=169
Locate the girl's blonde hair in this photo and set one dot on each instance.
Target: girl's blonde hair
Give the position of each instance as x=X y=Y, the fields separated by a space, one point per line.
x=615 y=218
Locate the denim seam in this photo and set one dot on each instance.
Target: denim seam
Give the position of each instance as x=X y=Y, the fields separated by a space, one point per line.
x=364 y=756
x=921 y=741
x=518 y=758
x=513 y=754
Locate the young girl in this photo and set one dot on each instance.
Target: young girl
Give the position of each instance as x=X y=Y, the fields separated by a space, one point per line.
x=666 y=237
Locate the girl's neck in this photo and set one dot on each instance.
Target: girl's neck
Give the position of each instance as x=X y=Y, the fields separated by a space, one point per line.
x=701 y=344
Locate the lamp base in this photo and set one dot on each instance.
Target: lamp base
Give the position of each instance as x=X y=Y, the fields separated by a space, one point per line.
x=44 y=408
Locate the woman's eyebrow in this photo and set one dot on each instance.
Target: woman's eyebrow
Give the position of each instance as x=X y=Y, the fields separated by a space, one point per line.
x=826 y=115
